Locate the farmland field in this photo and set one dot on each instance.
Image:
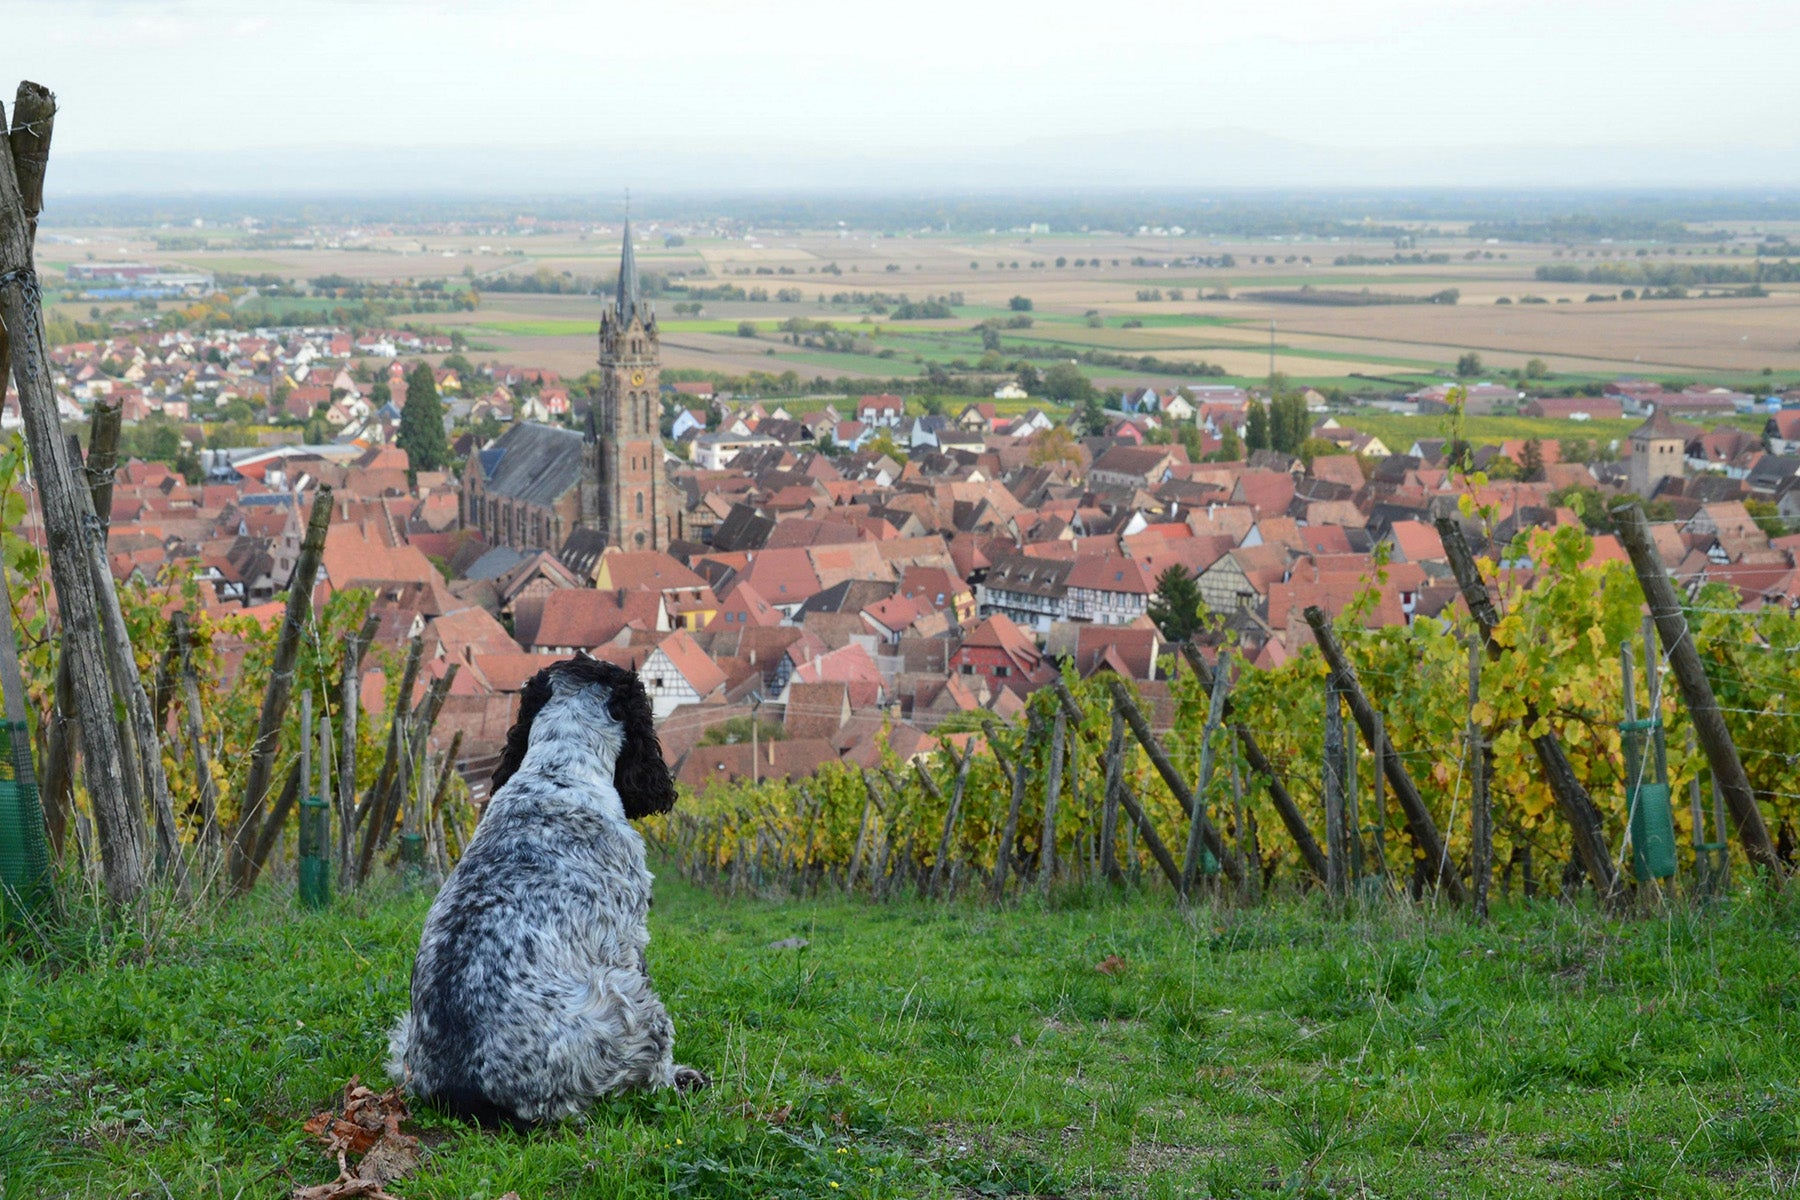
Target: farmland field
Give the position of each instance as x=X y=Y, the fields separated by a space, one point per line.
x=1133 y=295
x=1102 y=1046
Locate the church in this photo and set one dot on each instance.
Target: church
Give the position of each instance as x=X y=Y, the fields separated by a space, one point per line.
x=539 y=486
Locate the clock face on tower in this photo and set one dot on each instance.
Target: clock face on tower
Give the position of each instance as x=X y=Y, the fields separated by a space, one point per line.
x=637 y=379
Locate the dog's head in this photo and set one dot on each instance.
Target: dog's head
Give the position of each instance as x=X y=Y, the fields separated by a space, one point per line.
x=640 y=775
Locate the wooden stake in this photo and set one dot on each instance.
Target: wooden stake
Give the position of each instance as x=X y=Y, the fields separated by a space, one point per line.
x=1052 y=795
x=1337 y=881
x=1215 y=713
x=69 y=524
x=951 y=813
x=1290 y=814
x=349 y=716
x=1177 y=785
x=1578 y=809
x=244 y=833
x=1011 y=829
x=211 y=846
x=1378 y=801
x=1696 y=691
x=1109 y=813
x=1418 y=818
x=1481 y=813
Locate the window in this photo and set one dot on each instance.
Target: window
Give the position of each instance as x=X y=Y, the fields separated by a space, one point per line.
x=1002 y=672
x=640 y=504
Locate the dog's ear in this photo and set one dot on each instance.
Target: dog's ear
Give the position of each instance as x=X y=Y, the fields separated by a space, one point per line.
x=532 y=698
x=641 y=776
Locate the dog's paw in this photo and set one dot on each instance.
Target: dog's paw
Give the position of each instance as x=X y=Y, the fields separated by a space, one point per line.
x=690 y=1079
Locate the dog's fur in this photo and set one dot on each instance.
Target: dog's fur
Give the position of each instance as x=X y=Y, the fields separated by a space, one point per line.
x=530 y=992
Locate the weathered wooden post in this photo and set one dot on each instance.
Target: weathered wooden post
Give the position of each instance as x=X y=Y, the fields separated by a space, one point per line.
x=1159 y=758
x=69 y=519
x=1337 y=880
x=1052 y=794
x=1572 y=798
x=1140 y=820
x=1481 y=813
x=1192 y=860
x=1011 y=829
x=280 y=688
x=1109 y=810
x=1418 y=818
x=952 y=812
x=1696 y=691
x=1290 y=814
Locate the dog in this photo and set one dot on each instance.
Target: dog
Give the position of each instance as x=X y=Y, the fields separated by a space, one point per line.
x=531 y=995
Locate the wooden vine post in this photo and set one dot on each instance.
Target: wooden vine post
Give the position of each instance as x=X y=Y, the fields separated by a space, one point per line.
x=1337 y=842
x=1481 y=811
x=70 y=523
x=1109 y=810
x=142 y=733
x=1052 y=796
x=210 y=847
x=1215 y=714
x=1418 y=818
x=1003 y=855
x=1696 y=690
x=951 y=813
x=1159 y=758
x=1127 y=799
x=280 y=689
x=1585 y=828
x=1290 y=814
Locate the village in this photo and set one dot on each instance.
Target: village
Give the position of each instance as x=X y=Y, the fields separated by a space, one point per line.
x=845 y=579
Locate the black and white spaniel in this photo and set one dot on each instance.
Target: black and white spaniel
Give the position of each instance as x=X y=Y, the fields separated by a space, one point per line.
x=530 y=993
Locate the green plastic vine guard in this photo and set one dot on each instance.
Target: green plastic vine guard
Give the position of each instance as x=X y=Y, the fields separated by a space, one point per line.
x=1652 y=815
x=315 y=853
x=412 y=853
x=1652 y=833
x=25 y=881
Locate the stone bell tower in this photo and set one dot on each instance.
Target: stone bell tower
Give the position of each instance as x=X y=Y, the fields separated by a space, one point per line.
x=624 y=451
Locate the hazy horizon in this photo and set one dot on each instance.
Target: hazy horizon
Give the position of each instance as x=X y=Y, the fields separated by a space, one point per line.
x=383 y=96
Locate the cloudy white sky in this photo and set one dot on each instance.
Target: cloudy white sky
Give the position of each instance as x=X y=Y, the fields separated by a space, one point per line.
x=349 y=95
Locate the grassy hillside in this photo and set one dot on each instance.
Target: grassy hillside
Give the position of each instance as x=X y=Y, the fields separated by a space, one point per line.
x=912 y=1050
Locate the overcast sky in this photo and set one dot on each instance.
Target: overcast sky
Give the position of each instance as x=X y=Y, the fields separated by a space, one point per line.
x=332 y=96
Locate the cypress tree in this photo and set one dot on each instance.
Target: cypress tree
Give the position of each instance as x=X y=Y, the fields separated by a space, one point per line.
x=1256 y=426
x=422 y=422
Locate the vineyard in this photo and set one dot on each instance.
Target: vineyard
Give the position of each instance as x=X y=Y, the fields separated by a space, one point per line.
x=1288 y=794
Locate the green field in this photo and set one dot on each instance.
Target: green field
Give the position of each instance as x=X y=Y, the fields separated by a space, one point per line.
x=915 y=1050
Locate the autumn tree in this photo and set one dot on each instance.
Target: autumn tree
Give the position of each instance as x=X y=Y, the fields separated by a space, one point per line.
x=1531 y=461
x=1053 y=446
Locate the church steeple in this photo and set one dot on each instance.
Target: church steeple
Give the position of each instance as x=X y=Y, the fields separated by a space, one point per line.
x=626 y=494
x=628 y=277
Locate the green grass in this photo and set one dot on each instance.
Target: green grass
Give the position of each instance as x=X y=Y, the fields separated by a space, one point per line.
x=544 y=328
x=914 y=1050
x=1400 y=430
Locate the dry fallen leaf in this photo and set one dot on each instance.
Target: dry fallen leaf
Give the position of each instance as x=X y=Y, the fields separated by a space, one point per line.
x=369 y=1129
x=1112 y=964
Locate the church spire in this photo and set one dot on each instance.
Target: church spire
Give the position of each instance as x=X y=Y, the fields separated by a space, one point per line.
x=628 y=276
